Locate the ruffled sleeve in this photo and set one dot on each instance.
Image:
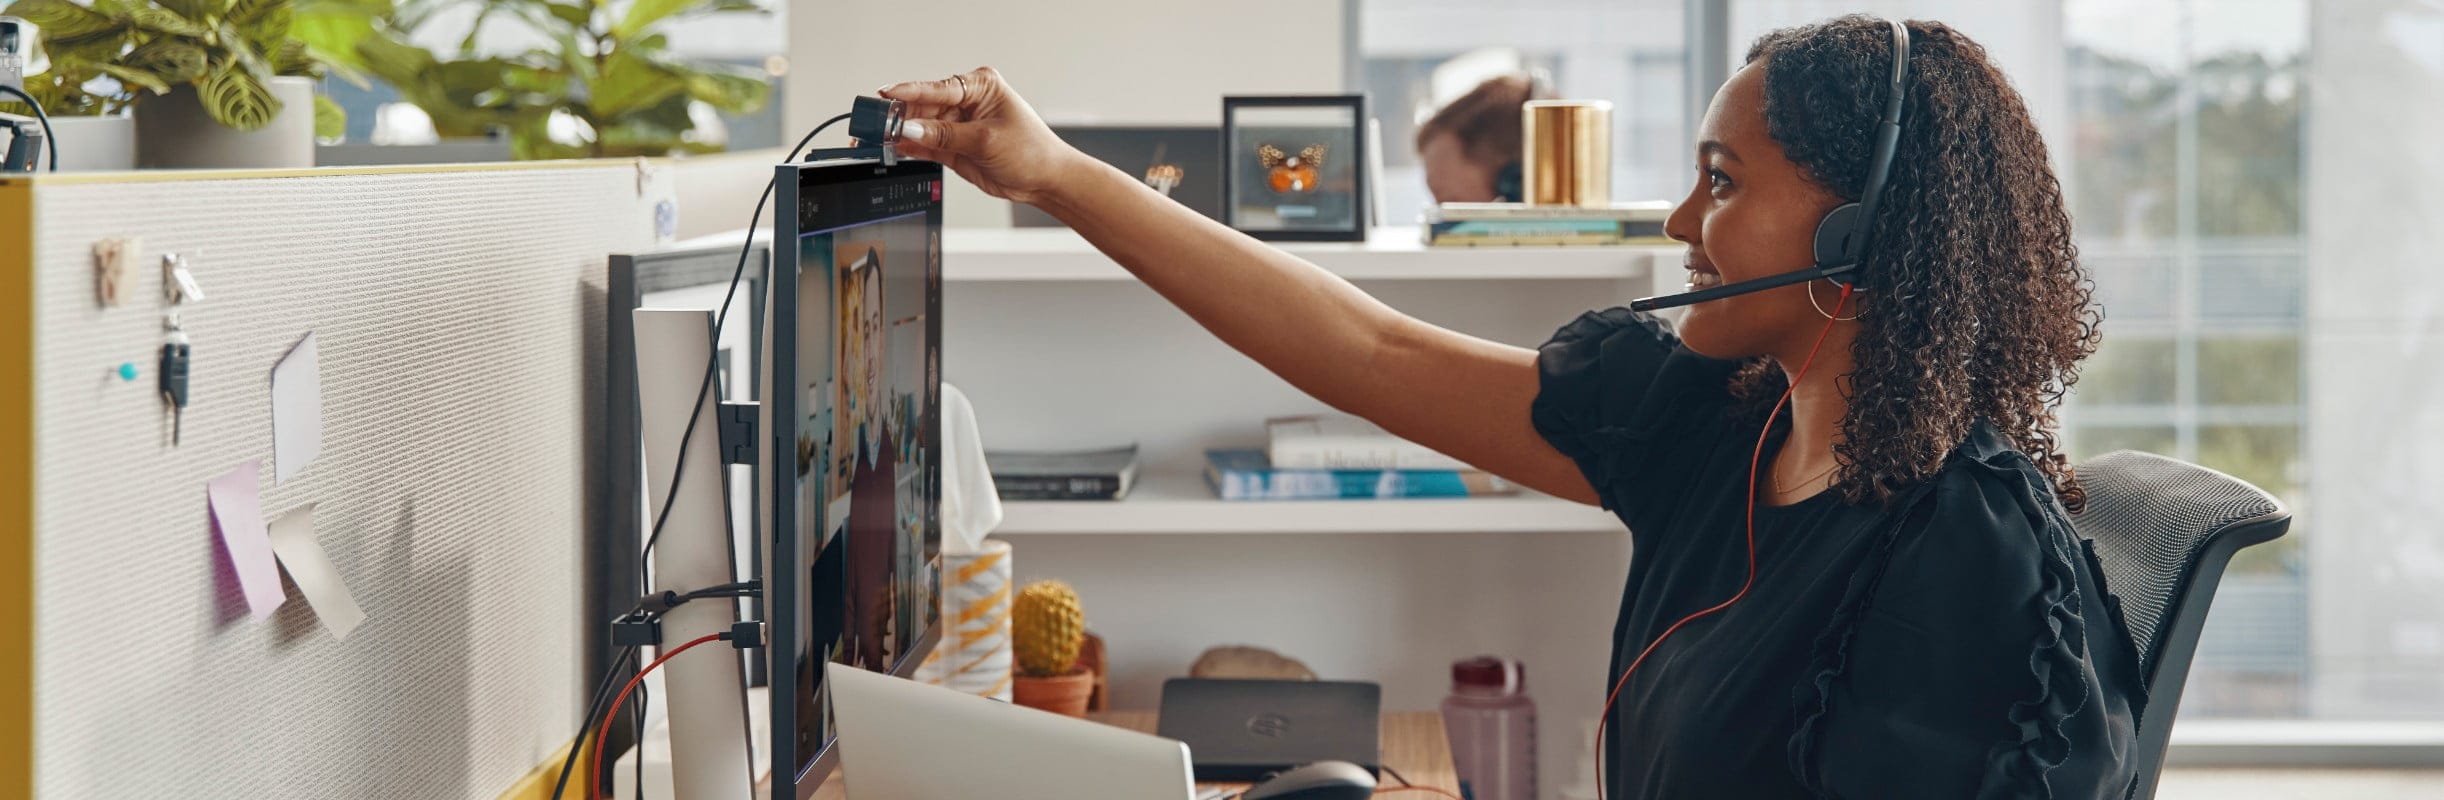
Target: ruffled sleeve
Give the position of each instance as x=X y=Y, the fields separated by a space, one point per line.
x=1612 y=385
x=1960 y=664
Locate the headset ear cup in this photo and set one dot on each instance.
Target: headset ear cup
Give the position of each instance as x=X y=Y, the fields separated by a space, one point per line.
x=1508 y=184
x=1835 y=233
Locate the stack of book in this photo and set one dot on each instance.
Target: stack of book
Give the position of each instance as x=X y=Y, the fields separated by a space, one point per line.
x=1342 y=458
x=1063 y=475
x=1520 y=225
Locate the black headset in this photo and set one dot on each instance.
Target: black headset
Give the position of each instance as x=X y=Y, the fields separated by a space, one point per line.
x=1510 y=185
x=1843 y=234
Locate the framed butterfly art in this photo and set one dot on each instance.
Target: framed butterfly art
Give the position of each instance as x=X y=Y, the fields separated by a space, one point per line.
x=1292 y=167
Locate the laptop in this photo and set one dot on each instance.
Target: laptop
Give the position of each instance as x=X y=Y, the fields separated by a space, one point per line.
x=1244 y=730
x=908 y=741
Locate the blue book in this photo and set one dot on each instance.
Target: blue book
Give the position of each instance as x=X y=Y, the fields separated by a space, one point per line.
x=1249 y=475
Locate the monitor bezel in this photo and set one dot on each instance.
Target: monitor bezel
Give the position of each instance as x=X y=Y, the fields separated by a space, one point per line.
x=778 y=485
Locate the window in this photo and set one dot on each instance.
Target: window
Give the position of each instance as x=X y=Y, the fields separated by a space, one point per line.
x=2186 y=162
x=526 y=56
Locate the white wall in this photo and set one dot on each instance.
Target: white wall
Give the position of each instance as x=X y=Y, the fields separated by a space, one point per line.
x=1100 y=61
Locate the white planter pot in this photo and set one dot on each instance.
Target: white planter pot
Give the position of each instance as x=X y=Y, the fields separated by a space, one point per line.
x=173 y=131
x=92 y=144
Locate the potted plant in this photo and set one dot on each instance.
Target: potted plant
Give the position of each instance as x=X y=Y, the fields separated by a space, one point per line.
x=604 y=83
x=1047 y=630
x=213 y=83
x=238 y=88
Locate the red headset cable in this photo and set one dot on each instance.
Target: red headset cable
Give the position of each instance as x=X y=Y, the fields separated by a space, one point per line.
x=1753 y=459
x=599 y=735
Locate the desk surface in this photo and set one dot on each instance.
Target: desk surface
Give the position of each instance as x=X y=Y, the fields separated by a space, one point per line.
x=1414 y=743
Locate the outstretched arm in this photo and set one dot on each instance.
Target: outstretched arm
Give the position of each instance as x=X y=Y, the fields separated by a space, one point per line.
x=1459 y=394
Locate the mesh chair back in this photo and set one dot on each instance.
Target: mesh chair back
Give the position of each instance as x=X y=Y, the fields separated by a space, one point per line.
x=2151 y=517
x=2163 y=531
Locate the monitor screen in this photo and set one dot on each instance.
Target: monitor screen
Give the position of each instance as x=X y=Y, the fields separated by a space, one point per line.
x=857 y=374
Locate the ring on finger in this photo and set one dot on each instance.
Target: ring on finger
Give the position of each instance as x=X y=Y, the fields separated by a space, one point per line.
x=962 y=80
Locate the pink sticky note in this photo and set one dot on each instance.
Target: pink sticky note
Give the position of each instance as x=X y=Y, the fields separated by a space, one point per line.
x=237 y=510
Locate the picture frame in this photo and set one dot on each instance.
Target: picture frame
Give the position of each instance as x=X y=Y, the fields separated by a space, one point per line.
x=1295 y=167
x=1191 y=153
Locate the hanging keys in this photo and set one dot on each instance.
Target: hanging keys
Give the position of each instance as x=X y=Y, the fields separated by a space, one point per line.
x=178 y=287
x=175 y=355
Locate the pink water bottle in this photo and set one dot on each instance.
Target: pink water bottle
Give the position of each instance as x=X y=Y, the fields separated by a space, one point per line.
x=1493 y=729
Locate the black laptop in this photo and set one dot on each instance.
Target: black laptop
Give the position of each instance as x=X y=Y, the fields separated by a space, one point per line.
x=1244 y=730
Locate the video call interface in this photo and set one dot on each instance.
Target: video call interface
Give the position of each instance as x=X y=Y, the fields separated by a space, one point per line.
x=868 y=473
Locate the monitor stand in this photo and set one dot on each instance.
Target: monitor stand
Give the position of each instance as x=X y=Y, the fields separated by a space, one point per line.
x=703 y=690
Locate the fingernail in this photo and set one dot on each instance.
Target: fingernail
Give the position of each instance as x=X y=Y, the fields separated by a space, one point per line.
x=885 y=89
x=913 y=129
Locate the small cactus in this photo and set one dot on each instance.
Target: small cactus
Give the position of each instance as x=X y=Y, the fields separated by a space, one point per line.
x=1047 y=628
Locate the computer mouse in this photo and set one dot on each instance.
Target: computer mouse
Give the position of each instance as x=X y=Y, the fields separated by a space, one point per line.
x=1322 y=780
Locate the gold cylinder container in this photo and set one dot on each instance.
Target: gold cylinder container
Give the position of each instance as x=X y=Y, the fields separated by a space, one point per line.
x=1569 y=153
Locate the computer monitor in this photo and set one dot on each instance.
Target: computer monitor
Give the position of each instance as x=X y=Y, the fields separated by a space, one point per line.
x=853 y=420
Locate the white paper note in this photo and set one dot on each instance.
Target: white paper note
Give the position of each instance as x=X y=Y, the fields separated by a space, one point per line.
x=293 y=538
x=296 y=410
x=237 y=511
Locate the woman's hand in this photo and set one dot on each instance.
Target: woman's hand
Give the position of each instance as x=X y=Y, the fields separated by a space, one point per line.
x=978 y=126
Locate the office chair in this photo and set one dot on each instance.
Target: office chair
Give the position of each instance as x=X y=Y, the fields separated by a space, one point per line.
x=2164 y=530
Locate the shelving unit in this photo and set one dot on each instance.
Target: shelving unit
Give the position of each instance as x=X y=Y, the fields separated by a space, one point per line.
x=1058 y=347
x=1180 y=503
x=1060 y=254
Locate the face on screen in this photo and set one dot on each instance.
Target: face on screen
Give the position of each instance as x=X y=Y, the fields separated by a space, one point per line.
x=872 y=581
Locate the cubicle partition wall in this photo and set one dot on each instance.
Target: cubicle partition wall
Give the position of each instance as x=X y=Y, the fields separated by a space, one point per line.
x=457 y=313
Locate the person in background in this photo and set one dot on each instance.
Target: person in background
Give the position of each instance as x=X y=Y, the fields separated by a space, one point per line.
x=1471 y=147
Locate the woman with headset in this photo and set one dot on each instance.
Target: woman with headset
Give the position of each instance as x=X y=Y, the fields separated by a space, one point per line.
x=1853 y=575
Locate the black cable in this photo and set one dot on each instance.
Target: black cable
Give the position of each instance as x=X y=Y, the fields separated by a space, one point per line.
x=704 y=388
x=602 y=696
x=636 y=730
x=712 y=366
x=48 y=139
x=1404 y=782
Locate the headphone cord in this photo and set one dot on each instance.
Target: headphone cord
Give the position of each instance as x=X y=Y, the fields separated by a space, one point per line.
x=1754 y=458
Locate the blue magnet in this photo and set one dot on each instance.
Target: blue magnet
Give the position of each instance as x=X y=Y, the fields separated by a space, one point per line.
x=127 y=370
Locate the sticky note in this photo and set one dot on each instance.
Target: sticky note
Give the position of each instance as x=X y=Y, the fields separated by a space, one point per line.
x=293 y=538
x=296 y=410
x=237 y=511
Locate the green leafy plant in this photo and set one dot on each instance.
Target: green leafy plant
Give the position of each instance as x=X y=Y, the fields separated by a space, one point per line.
x=226 y=49
x=604 y=83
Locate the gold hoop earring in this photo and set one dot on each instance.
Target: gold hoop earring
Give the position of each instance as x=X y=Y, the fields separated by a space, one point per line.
x=1820 y=309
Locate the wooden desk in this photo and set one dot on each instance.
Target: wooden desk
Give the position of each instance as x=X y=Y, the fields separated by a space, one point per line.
x=1413 y=744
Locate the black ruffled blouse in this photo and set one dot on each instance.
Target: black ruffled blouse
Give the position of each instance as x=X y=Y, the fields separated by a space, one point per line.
x=1958 y=643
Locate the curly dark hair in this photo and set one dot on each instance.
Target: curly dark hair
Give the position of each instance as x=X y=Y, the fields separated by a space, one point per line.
x=1974 y=303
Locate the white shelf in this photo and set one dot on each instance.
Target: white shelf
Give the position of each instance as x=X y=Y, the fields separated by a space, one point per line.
x=1060 y=254
x=1175 y=503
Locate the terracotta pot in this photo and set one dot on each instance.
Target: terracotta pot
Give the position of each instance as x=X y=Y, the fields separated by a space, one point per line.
x=1092 y=659
x=1064 y=695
